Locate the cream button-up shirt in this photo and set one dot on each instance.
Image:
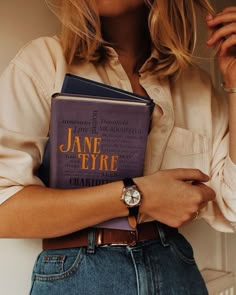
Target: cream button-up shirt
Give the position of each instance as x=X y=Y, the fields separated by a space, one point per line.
x=189 y=124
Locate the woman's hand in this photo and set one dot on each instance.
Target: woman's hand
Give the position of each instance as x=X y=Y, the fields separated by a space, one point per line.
x=223 y=27
x=174 y=196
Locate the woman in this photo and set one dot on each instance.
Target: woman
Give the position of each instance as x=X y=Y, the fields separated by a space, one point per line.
x=145 y=47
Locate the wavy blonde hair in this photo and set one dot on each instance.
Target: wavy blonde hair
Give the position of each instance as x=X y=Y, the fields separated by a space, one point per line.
x=172 y=28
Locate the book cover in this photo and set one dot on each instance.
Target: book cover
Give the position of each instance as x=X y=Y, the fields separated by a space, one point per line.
x=95 y=139
x=78 y=85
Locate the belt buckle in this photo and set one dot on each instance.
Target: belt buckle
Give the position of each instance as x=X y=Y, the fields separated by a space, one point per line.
x=133 y=241
x=99 y=236
x=100 y=239
x=124 y=244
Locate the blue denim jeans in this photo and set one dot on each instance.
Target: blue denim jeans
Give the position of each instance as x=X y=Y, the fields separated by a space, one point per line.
x=163 y=266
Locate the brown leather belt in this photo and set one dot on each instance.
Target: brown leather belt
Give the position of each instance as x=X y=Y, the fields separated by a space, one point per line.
x=104 y=236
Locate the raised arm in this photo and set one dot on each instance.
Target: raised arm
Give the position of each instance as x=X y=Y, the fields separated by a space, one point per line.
x=224 y=35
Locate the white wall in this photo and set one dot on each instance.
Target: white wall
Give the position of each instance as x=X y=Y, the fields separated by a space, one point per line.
x=21 y=21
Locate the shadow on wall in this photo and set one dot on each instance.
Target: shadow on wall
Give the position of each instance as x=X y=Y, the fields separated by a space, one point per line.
x=21 y=23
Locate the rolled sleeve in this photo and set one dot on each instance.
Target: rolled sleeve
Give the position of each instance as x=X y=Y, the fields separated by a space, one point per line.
x=221 y=213
x=24 y=125
x=230 y=191
x=230 y=175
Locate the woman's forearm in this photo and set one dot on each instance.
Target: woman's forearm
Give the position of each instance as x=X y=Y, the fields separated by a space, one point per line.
x=39 y=212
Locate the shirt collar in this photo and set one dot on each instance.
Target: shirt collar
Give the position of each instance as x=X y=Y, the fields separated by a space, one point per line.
x=154 y=57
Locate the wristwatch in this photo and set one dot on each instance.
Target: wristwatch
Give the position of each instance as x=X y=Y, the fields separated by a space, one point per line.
x=131 y=196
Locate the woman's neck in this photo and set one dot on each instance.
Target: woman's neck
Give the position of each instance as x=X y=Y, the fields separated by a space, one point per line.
x=128 y=35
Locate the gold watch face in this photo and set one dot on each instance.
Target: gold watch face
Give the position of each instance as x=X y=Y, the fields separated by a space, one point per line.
x=131 y=196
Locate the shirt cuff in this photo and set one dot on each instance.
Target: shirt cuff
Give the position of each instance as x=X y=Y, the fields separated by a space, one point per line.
x=6 y=193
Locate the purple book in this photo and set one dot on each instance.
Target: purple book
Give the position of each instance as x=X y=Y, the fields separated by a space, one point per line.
x=97 y=140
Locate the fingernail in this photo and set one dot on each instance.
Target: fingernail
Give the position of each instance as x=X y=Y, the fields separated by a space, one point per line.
x=209 y=41
x=207 y=176
x=209 y=17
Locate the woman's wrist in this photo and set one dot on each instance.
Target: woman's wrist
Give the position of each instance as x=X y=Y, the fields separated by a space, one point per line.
x=144 y=187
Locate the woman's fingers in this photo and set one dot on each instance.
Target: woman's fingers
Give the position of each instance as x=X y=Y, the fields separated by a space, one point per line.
x=223 y=38
x=229 y=9
x=227 y=15
x=186 y=174
x=174 y=196
x=206 y=192
x=223 y=24
x=228 y=45
x=223 y=33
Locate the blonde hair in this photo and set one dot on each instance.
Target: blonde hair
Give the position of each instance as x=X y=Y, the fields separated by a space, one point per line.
x=172 y=28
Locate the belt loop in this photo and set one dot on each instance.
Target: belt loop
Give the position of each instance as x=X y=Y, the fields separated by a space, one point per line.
x=163 y=237
x=91 y=241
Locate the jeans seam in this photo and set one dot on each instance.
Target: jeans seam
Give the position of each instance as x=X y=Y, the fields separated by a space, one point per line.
x=32 y=286
x=136 y=271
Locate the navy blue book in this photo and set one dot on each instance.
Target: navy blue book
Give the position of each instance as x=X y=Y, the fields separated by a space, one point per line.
x=78 y=85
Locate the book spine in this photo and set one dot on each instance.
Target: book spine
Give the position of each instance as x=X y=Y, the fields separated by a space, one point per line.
x=53 y=167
